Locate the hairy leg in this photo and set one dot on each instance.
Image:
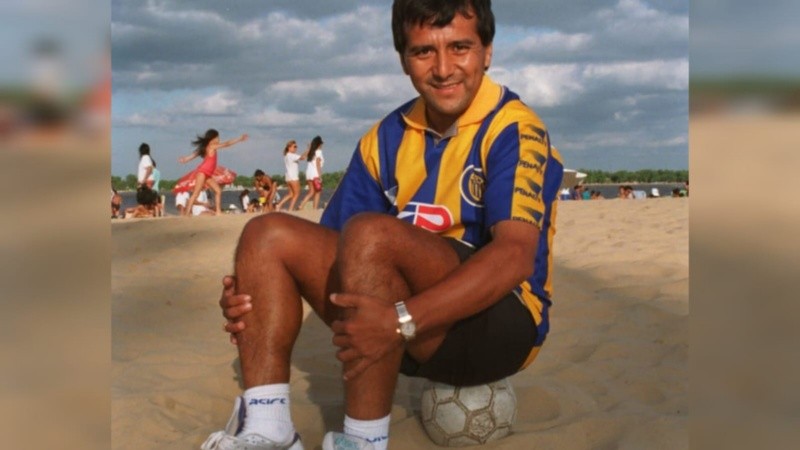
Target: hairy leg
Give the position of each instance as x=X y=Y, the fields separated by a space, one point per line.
x=279 y=258
x=387 y=258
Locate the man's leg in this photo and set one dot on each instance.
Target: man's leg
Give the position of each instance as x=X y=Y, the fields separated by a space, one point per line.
x=389 y=259
x=278 y=259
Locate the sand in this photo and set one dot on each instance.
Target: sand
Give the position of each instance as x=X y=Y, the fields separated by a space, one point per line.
x=612 y=374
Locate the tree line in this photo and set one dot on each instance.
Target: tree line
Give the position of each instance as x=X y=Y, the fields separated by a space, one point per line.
x=636 y=176
x=128 y=183
x=331 y=179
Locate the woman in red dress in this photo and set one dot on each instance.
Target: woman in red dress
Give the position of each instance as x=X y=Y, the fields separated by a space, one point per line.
x=206 y=147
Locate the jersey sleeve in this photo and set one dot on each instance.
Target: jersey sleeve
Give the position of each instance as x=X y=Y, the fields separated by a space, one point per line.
x=515 y=166
x=358 y=191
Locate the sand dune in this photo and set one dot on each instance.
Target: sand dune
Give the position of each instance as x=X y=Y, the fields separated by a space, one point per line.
x=612 y=374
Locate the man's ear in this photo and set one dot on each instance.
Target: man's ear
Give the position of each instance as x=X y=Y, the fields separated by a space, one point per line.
x=487 y=61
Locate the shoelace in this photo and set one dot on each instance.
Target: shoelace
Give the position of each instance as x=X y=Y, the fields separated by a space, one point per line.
x=213 y=440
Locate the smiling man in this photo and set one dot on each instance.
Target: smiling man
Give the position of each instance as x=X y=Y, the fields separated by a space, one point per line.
x=432 y=259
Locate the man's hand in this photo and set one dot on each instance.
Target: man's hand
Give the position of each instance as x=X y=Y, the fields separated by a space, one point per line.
x=234 y=306
x=367 y=333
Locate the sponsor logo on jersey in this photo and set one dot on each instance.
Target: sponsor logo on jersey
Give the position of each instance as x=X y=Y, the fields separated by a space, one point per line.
x=528 y=137
x=527 y=165
x=473 y=185
x=435 y=218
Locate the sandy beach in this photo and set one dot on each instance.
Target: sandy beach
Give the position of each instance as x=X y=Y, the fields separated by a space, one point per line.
x=612 y=374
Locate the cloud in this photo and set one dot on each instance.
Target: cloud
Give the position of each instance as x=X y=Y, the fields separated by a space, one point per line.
x=285 y=69
x=143 y=120
x=552 y=43
x=672 y=74
x=219 y=103
x=544 y=85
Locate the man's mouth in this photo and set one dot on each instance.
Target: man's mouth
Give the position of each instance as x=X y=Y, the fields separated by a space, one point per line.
x=445 y=87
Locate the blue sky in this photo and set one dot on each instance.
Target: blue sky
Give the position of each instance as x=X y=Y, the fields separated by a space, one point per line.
x=609 y=78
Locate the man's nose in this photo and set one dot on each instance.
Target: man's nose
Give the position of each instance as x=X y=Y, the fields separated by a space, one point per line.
x=443 y=66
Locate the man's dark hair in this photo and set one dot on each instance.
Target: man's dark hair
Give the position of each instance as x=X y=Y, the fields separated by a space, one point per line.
x=439 y=13
x=258 y=173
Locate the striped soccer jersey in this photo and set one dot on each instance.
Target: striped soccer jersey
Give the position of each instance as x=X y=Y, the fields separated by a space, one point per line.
x=497 y=165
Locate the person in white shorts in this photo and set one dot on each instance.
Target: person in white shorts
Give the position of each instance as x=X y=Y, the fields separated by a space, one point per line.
x=180 y=201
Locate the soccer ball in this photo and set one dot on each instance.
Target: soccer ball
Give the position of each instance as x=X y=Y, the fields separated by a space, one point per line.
x=461 y=416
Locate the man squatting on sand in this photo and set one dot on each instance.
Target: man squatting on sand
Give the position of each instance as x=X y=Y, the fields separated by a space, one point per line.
x=433 y=257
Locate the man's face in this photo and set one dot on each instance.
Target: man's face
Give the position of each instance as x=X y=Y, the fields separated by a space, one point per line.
x=446 y=66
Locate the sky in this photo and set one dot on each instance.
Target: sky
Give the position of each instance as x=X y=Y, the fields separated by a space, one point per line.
x=609 y=78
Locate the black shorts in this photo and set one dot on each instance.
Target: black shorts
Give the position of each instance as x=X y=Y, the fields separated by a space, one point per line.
x=488 y=346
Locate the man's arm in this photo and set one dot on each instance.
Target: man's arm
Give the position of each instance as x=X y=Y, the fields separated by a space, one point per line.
x=481 y=280
x=474 y=286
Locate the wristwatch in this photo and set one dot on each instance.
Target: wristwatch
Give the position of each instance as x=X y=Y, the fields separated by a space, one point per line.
x=405 y=323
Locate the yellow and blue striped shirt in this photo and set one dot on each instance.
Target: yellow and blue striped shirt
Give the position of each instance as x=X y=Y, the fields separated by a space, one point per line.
x=497 y=165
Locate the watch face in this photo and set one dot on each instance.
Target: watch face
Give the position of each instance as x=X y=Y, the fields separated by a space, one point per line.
x=408 y=329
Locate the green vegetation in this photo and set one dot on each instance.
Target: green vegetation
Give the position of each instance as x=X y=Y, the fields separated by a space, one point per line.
x=776 y=92
x=640 y=176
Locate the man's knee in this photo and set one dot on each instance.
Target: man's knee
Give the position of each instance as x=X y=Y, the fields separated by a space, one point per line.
x=267 y=233
x=371 y=234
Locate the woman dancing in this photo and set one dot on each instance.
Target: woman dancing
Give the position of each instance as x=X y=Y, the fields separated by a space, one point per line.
x=206 y=147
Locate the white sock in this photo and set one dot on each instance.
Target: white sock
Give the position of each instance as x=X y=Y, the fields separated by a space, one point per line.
x=268 y=412
x=375 y=431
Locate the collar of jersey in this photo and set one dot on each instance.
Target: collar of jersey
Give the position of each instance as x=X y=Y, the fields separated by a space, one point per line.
x=485 y=102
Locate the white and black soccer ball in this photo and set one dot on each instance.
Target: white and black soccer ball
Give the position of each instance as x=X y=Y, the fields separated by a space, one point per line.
x=461 y=416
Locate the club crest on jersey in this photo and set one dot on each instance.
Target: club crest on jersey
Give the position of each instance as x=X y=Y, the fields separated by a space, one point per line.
x=472 y=186
x=435 y=218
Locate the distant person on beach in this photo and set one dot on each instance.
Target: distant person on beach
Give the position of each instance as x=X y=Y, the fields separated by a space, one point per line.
x=145 y=195
x=403 y=265
x=145 y=169
x=206 y=147
x=155 y=179
x=266 y=189
x=181 y=199
x=116 y=203
x=290 y=162
x=202 y=207
x=244 y=200
x=314 y=173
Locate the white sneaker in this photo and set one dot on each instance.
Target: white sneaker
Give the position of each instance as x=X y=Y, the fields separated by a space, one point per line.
x=223 y=441
x=227 y=439
x=341 y=441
